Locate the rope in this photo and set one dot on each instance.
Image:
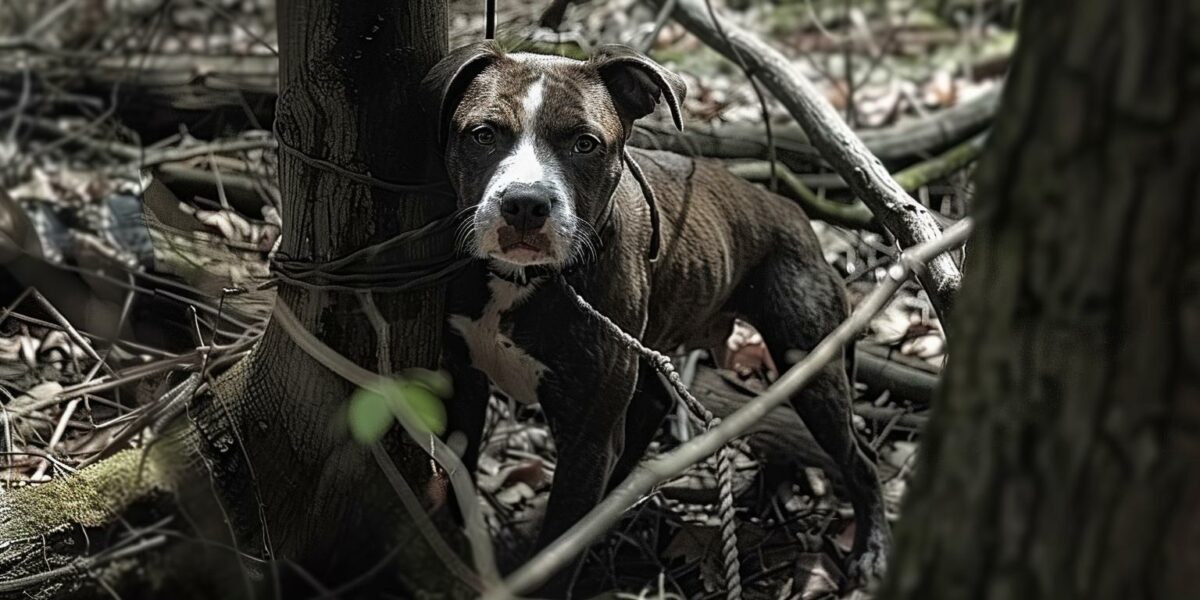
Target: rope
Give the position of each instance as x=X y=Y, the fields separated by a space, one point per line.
x=651 y=201
x=489 y=20
x=726 y=510
x=359 y=270
x=362 y=270
x=429 y=187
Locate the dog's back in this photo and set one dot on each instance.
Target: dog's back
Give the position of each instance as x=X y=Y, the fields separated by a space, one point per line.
x=718 y=234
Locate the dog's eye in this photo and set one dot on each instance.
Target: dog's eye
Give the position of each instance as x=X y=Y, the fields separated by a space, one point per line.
x=586 y=143
x=484 y=135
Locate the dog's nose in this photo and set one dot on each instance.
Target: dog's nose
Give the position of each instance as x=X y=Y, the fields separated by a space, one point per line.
x=525 y=209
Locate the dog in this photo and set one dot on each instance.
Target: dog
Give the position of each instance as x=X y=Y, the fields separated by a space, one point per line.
x=536 y=148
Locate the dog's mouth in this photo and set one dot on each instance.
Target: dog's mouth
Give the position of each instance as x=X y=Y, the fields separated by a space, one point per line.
x=522 y=246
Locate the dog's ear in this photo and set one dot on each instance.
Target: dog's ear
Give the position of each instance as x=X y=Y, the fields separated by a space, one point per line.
x=443 y=86
x=636 y=82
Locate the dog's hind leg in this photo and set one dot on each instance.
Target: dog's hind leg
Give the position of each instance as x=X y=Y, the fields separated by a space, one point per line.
x=795 y=303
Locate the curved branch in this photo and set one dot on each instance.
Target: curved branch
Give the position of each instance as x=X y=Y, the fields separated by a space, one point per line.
x=909 y=221
x=854 y=215
x=942 y=166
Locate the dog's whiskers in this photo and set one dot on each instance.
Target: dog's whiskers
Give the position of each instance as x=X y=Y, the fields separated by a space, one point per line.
x=464 y=238
x=463 y=211
x=586 y=249
x=589 y=238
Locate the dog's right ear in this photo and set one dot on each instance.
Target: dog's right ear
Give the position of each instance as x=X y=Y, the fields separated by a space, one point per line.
x=443 y=86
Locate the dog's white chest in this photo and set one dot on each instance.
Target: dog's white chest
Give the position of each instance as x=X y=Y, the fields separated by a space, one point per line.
x=509 y=367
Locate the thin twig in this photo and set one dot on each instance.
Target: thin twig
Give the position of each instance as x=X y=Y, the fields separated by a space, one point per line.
x=660 y=20
x=70 y=330
x=422 y=521
x=170 y=155
x=80 y=565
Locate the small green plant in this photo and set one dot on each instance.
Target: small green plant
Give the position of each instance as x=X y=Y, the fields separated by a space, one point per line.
x=414 y=396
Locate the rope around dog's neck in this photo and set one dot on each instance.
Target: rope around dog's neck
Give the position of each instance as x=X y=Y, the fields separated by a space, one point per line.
x=663 y=364
x=635 y=169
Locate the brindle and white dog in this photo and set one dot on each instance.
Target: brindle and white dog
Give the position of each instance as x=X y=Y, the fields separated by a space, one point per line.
x=535 y=146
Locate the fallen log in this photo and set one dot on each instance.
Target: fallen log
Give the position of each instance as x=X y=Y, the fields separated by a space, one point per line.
x=876 y=367
x=156 y=93
x=855 y=213
x=780 y=438
x=896 y=145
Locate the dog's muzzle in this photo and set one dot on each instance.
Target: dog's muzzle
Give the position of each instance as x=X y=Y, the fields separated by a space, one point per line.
x=526 y=224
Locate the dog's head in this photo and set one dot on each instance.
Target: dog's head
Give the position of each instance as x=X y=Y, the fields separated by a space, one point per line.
x=535 y=144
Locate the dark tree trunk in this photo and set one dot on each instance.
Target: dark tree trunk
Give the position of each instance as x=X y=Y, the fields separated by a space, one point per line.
x=264 y=464
x=348 y=95
x=1063 y=460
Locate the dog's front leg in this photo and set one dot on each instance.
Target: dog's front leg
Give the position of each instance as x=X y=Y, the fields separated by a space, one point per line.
x=586 y=417
x=466 y=411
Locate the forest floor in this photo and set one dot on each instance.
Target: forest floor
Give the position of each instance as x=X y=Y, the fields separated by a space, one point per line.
x=80 y=157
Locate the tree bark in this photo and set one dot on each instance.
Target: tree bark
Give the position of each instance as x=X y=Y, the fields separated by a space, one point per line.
x=348 y=95
x=1063 y=459
x=264 y=464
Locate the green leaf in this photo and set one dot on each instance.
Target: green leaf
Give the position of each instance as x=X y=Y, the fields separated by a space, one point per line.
x=424 y=405
x=414 y=398
x=370 y=416
x=437 y=382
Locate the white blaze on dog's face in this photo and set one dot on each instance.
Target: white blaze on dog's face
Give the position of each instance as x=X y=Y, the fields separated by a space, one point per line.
x=534 y=145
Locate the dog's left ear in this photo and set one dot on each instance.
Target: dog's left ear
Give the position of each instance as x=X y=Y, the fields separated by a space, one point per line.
x=636 y=82
x=443 y=86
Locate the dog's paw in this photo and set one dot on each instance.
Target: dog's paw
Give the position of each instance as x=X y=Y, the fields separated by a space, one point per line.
x=869 y=565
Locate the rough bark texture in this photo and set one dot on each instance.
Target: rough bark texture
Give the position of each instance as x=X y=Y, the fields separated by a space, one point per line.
x=271 y=490
x=1063 y=460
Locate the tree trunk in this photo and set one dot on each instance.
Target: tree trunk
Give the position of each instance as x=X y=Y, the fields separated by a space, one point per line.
x=1063 y=459
x=264 y=464
x=348 y=95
